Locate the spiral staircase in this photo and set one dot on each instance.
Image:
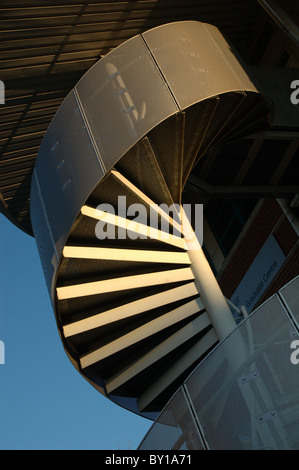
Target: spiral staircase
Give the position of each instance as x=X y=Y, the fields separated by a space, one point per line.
x=127 y=300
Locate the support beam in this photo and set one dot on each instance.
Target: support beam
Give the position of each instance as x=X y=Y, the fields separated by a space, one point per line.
x=202 y=188
x=282 y=19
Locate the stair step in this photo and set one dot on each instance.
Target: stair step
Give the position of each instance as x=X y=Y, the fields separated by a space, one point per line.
x=149 y=329
x=182 y=336
x=114 y=254
x=167 y=141
x=135 y=228
x=198 y=121
x=141 y=168
x=162 y=382
x=123 y=283
x=131 y=309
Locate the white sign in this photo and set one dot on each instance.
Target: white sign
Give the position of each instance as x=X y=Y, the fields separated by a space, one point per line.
x=260 y=274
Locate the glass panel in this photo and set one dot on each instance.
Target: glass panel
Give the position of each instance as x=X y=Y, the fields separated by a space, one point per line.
x=246 y=391
x=174 y=429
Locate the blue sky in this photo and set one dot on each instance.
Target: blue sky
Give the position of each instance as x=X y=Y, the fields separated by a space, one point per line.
x=44 y=401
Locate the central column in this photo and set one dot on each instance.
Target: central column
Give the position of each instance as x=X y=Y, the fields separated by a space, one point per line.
x=210 y=292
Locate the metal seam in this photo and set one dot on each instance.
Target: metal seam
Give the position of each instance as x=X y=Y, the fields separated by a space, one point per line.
x=226 y=60
x=195 y=416
x=161 y=73
x=45 y=213
x=89 y=130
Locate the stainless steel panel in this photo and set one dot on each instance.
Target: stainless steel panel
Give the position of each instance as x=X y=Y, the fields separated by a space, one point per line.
x=124 y=96
x=249 y=401
x=290 y=295
x=43 y=235
x=194 y=65
x=243 y=398
x=67 y=168
x=174 y=429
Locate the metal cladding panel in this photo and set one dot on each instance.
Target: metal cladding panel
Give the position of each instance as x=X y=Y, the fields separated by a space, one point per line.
x=194 y=65
x=67 y=169
x=238 y=67
x=43 y=234
x=123 y=97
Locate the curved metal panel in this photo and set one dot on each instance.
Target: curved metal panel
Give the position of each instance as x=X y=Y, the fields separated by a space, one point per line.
x=67 y=168
x=43 y=235
x=194 y=61
x=123 y=97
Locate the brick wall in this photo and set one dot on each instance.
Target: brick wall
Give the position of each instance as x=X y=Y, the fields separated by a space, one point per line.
x=268 y=219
